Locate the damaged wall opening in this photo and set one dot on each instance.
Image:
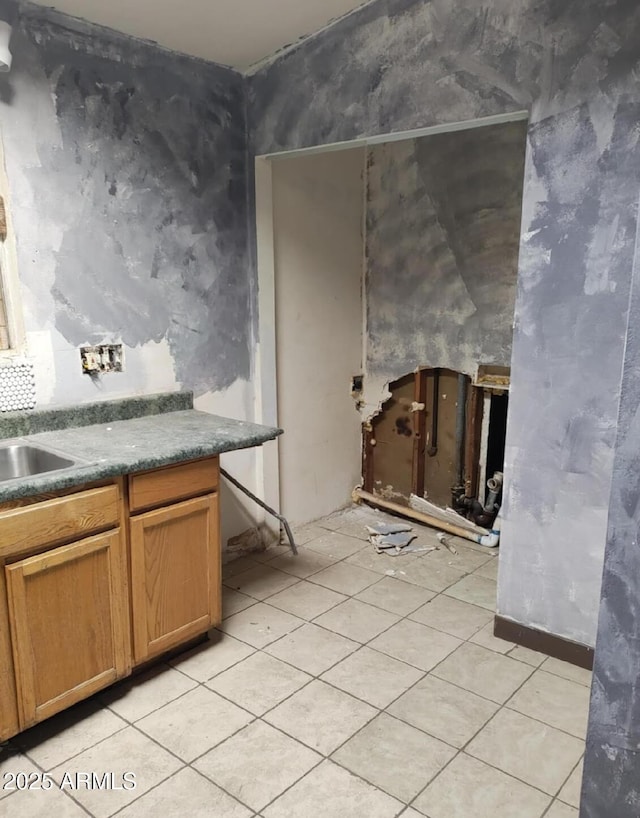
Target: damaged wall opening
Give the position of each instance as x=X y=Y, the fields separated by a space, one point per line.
x=439 y=437
x=396 y=262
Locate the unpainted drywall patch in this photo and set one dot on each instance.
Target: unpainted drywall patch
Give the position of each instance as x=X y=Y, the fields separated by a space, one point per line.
x=39 y=348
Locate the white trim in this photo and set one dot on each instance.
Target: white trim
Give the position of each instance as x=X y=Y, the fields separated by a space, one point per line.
x=267 y=460
x=363 y=268
x=398 y=136
x=484 y=445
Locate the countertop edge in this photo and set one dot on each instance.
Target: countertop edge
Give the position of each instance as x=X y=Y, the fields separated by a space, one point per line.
x=103 y=470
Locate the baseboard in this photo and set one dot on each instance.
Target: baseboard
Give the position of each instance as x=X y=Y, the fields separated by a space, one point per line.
x=556 y=646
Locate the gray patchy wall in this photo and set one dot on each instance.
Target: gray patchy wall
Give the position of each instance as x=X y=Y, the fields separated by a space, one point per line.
x=127 y=177
x=611 y=782
x=443 y=233
x=402 y=64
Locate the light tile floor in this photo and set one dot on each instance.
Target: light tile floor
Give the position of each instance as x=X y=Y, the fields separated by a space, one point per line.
x=341 y=684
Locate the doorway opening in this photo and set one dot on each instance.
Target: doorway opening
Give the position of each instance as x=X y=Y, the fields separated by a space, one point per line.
x=387 y=273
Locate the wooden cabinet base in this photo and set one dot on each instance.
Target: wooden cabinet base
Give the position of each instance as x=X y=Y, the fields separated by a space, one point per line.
x=175 y=575
x=68 y=624
x=78 y=612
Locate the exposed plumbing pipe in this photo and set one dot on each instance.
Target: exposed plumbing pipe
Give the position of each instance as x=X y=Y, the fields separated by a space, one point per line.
x=433 y=437
x=494 y=484
x=490 y=539
x=481 y=516
x=461 y=414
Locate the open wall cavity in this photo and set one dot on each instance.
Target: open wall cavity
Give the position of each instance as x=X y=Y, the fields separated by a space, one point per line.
x=440 y=437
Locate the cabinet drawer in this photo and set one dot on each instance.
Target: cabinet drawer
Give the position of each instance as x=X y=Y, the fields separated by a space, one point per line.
x=54 y=521
x=162 y=486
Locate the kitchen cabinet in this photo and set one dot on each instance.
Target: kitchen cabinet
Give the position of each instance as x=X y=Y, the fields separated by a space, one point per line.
x=175 y=575
x=68 y=624
x=175 y=555
x=97 y=580
x=64 y=626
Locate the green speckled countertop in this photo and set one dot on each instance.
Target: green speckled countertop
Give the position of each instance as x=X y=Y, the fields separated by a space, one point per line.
x=123 y=446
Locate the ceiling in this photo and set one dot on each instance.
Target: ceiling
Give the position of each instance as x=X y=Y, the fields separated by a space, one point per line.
x=232 y=32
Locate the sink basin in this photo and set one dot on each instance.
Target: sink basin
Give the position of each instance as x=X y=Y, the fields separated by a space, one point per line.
x=22 y=460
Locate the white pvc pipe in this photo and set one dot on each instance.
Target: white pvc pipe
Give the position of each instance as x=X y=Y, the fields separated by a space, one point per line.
x=491 y=539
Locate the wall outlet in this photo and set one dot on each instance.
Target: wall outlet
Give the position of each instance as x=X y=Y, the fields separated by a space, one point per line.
x=102 y=358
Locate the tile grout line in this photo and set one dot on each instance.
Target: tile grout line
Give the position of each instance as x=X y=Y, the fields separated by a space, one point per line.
x=563 y=785
x=84 y=750
x=219 y=744
x=257 y=718
x=463 y=749
x=501 y=706
x=128 y=723
x=366 y=547
x=44 y=771
x=317 y=677
x=378 y=711
x=134 y=725
x=425 y=673
x=361 y=645
x=184 y=764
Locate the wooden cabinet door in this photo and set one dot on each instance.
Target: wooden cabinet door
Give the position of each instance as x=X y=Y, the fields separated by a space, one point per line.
x=175 y=575
x=69 y=625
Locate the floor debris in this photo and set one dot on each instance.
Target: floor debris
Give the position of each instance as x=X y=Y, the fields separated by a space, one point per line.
x=417 y=549
x=399 y=540
x=394 y=539
x=388 y=528
x=442 y=539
